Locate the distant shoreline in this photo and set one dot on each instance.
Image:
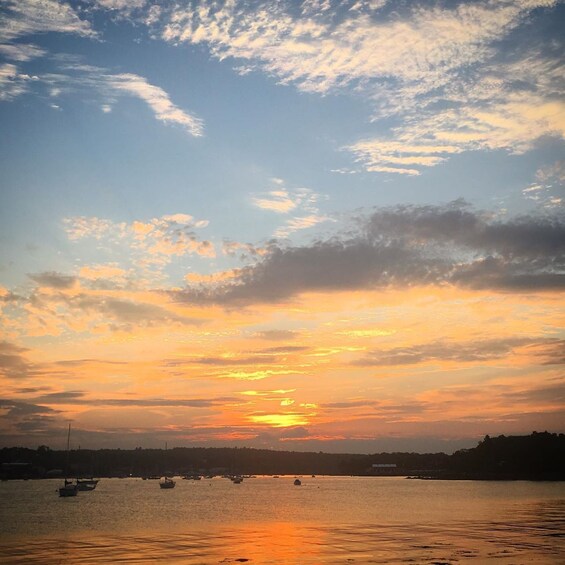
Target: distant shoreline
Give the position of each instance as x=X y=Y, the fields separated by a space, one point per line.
x=537 y=457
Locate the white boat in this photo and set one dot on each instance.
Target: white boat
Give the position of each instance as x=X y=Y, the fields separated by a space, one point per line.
x=86 y=484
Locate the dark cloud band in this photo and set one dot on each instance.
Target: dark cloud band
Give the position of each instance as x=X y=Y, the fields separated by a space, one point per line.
x=402 y=247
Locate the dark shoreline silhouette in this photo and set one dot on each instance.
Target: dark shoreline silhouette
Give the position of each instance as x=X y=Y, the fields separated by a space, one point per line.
x=539 y=456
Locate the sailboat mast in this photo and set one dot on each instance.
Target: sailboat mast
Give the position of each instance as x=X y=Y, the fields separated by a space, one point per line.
x=67 y=465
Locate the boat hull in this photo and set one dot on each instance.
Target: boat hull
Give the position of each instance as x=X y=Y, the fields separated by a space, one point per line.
x=86 y=486
x=68 y=490
x=167 y=483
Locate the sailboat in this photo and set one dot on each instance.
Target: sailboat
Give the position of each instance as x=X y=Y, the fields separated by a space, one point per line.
x=69 y=488
x=167 y=482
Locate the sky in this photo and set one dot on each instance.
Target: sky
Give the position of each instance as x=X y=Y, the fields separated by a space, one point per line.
x=318 y=226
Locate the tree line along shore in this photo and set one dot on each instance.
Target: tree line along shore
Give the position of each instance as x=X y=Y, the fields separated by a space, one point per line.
x=538 y=456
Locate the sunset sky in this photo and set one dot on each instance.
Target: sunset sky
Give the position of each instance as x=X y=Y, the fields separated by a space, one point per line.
x=321 y=225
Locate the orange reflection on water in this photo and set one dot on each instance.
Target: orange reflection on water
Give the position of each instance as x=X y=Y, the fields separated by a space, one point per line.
x=281 y=542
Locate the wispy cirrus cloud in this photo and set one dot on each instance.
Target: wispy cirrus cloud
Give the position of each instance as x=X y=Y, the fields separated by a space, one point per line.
x=73 y=75
x=320 y=51
x=547 y=190
x=30 y=17
x=444 y=61
x=110 y=87
x=26 y=17
x=513 y=121
x=126 y=5
x=157 y=99
x=400 y=156
x=300 y=223
x=437 y=69
x=301 y=202
x=21 y=51
x=276 y=201
x=20 y=18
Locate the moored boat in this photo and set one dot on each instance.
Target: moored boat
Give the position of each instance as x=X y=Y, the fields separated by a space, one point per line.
x=167 y=482
x=69 y=487
x=86 y=484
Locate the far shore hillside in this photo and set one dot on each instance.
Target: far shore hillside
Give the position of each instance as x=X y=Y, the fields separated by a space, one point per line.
x=538 y=456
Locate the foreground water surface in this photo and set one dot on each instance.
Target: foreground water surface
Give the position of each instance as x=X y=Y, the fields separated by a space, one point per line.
x=269 y=520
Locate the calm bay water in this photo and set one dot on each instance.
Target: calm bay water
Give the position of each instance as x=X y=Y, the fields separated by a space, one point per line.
x=268 y=520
